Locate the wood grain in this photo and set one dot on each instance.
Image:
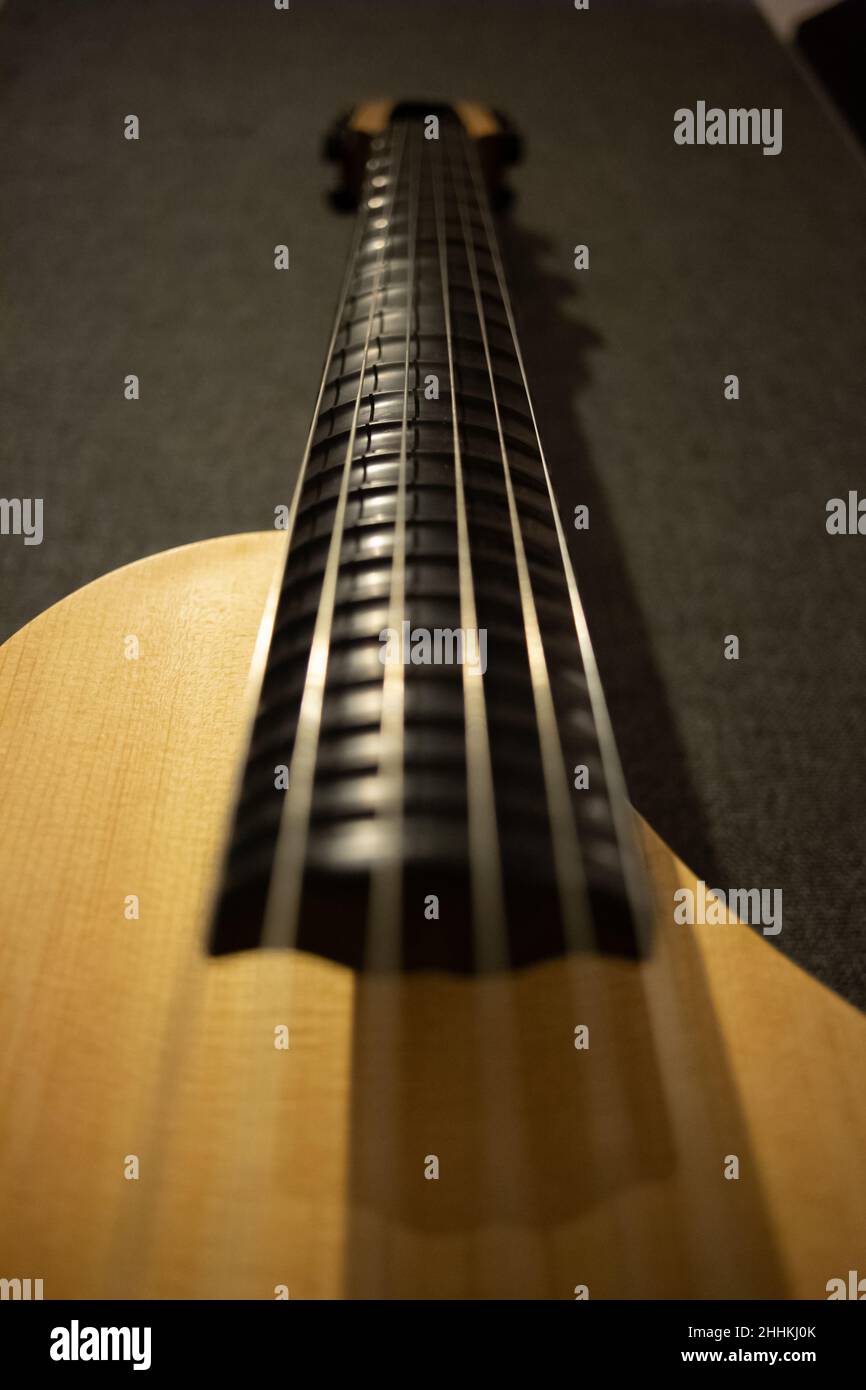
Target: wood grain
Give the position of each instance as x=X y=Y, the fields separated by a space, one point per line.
x=305 y=1168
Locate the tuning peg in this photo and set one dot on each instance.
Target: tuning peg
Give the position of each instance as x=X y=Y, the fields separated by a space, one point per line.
x=512 y=142
x=334 y=145
x=347 y=147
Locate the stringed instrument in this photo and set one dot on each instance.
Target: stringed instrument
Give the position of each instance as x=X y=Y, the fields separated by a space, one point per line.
x=333 y=960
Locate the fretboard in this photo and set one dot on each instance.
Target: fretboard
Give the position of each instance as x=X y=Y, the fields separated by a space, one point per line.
x=431 y=779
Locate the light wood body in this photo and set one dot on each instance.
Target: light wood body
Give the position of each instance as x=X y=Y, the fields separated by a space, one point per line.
x=305 y=1168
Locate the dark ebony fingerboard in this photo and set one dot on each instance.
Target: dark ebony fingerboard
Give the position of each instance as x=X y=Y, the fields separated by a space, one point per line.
x=398 y=262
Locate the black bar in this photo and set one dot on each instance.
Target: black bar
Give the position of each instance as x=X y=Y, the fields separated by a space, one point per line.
x=610 y=1336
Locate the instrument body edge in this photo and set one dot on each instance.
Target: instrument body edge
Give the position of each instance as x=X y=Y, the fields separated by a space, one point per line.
x=262 y=1167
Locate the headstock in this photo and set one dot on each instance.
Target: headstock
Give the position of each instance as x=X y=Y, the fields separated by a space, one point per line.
x=348 y=142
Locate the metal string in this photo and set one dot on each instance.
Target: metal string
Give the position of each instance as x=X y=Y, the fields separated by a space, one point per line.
x=624 y=829
x=488 y=913
x=273 y=991
x=284 y=892
x=568 y=863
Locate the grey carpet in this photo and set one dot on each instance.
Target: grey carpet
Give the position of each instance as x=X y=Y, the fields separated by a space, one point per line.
x=707 y=517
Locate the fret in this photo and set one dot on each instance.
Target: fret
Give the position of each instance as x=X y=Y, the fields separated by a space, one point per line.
x=436 y=509
x=382 y=948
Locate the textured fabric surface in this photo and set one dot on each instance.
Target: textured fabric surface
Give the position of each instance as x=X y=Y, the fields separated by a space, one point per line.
x=707 y=516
